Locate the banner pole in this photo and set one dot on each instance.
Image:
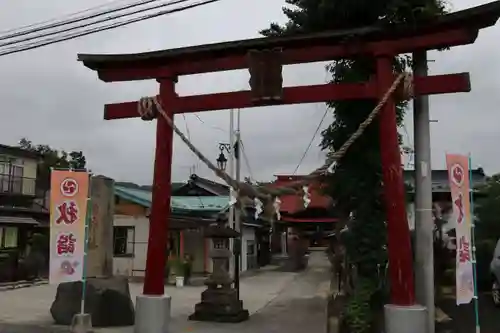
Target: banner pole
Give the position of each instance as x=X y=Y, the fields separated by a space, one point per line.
x=85 y=247
x=473 y=241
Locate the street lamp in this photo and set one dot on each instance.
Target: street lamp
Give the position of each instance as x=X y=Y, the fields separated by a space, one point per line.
x=234 y=216
x=222 y=160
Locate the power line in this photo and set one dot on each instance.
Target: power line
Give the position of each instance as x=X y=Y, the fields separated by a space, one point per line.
x=245 y=157
x=410 y=149
x=212 y=126
x=188 y=133
x=75 y=20
x=315 y=132
x=84 y=25
x=60 y=17
x=311 y=142
x=50 y=41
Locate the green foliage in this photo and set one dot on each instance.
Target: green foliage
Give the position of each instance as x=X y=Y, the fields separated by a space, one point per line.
x=52 y=158
x=356 y=183
x=176 y=266
x=487 y=230
x=487 y=210
x=321 y=15
x=358 y=312
x=39 y=242
x=484 y=255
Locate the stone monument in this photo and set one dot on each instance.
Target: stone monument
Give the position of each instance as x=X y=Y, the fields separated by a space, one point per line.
x=219 y=302
x=107 y=298
x=100 y=242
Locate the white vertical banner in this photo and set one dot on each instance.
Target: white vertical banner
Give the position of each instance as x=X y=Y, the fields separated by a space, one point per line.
x=458 y=174
x=68 y=212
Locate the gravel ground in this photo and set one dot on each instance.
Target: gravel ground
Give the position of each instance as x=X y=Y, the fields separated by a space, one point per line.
x=463 y=316
x=278 y=302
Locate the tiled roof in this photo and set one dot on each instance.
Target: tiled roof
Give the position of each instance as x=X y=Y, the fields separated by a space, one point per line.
x=18 y=220
x=293 y=203
x=198 y=204
x=209 y=185
x=440 y=182
x=175 y=185
x=17 y=151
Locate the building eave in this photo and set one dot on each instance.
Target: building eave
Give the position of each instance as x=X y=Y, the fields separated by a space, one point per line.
x=19 y=152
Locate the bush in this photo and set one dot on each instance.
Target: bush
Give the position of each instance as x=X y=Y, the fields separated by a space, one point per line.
x=484 y=255
x=176 y=267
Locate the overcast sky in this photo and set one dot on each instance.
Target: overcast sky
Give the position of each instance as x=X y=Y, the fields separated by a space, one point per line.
x=49 y=97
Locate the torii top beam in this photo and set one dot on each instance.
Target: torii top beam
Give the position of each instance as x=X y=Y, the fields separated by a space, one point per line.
x=458 y=28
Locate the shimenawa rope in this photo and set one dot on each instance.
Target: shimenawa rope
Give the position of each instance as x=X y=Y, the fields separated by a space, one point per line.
x=148 y=107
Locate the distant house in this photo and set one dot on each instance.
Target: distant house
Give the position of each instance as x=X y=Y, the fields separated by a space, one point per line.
x=255 y=233
x=441 y=195
x=199 y=186
x=21 y=211
x=313 y=222
x=131 y=229
x=175 y=186
x=194 y=209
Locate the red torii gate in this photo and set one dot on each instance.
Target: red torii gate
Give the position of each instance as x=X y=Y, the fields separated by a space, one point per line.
x=459 y=28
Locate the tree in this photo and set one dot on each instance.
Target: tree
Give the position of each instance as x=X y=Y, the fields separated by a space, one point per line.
x=487 y=228
x=357 y=178
x=52 y=158
x=487 y=210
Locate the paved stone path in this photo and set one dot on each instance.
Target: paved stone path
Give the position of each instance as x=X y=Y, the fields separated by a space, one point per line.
x=277 y=302
x=300 y=307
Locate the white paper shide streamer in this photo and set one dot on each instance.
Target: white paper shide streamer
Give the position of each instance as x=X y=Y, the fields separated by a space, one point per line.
x=307 y=196
x=233 y=197
x=277 y=208
x=258 y=208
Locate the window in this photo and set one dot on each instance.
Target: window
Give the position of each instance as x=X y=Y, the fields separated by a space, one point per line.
x=11 y=175
x=174 y=244
x=8 y=237
x=123 y=241
x=4 y=176
x=250 y=248
x=16 y=178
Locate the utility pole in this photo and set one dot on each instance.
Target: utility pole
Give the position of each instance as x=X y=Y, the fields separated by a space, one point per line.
x=231 y=152
x=237 y=213
x=424 y=224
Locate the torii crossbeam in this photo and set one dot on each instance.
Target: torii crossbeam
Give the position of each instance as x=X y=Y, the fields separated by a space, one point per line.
x=459 y=28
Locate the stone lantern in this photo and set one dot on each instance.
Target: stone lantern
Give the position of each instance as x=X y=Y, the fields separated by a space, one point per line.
x=219 y=302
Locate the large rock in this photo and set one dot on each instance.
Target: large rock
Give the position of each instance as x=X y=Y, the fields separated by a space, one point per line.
x=107 y=300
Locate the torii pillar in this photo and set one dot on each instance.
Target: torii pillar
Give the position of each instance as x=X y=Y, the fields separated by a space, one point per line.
x=154 y=306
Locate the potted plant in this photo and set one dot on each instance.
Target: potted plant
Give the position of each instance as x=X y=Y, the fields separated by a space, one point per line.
x=177 y=270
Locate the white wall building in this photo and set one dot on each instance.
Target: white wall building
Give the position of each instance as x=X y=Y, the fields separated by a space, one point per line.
x=134 y=232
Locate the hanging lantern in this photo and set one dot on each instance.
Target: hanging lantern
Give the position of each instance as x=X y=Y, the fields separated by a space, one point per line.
x=222 y=161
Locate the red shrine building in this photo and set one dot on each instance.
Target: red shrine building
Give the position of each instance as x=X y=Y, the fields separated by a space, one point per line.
x=312 y=223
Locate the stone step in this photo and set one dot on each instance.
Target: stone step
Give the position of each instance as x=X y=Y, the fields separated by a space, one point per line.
x=21 y=284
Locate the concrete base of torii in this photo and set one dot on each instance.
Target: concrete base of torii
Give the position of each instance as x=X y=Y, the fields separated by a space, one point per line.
x=152 y=314
x=405 y=319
